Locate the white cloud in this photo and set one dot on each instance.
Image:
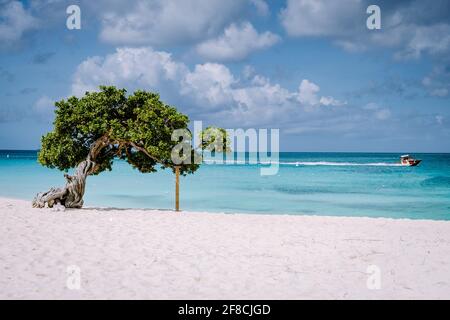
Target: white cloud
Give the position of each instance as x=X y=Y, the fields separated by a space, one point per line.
x=15 y=20
x=165 y=22
x=136 y=22
x=412 y=28
x=262 y=8
x=377 y=111
x=321 y=17
x=434 y=39
x=209 y=90
x=248 y=71
x=307 y=95
x=128 y=67
x=236 y=43
x=330 y=101
x=210 y=84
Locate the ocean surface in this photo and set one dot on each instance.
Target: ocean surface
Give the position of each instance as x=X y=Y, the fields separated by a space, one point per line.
x=332 y=184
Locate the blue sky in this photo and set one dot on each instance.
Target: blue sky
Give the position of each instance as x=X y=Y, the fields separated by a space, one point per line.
x=310 y=68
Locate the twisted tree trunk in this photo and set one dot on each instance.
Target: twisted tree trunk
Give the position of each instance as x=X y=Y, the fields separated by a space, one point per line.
x=71 y=195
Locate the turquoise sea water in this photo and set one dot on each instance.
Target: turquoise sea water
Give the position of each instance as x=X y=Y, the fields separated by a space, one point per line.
x=342 y=184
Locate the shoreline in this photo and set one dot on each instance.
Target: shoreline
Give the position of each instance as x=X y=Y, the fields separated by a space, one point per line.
x=162 y=254
x=252 y=213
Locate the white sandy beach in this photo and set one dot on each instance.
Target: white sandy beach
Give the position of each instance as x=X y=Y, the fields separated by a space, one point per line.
x=129 y=254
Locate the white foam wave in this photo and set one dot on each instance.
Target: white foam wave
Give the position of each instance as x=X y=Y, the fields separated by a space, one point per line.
x=326 y=163
x=308 y=163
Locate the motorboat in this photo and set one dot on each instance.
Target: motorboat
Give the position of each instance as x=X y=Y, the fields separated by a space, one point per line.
x=407 y=160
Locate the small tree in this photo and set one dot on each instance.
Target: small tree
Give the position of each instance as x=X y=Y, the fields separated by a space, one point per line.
x=215 y=139
x=91 y=131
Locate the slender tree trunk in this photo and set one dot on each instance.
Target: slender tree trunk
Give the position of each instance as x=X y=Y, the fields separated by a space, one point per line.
x=71 y=195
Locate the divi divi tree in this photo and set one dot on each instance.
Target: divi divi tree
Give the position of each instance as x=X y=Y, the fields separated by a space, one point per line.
x=90 y=132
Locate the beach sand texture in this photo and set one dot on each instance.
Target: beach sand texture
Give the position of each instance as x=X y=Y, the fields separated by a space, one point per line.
x=148 y=254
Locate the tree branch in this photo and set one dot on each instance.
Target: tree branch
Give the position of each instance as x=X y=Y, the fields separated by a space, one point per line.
x=142 y=149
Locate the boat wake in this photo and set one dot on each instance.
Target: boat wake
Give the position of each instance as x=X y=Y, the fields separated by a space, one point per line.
x=307 y=163
x=326 y=163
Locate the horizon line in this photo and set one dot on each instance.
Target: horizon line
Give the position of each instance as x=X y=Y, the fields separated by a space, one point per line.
x=403 y=152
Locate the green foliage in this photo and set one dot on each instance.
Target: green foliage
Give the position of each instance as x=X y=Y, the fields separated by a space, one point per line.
x=215 y=139
x=138 y=127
